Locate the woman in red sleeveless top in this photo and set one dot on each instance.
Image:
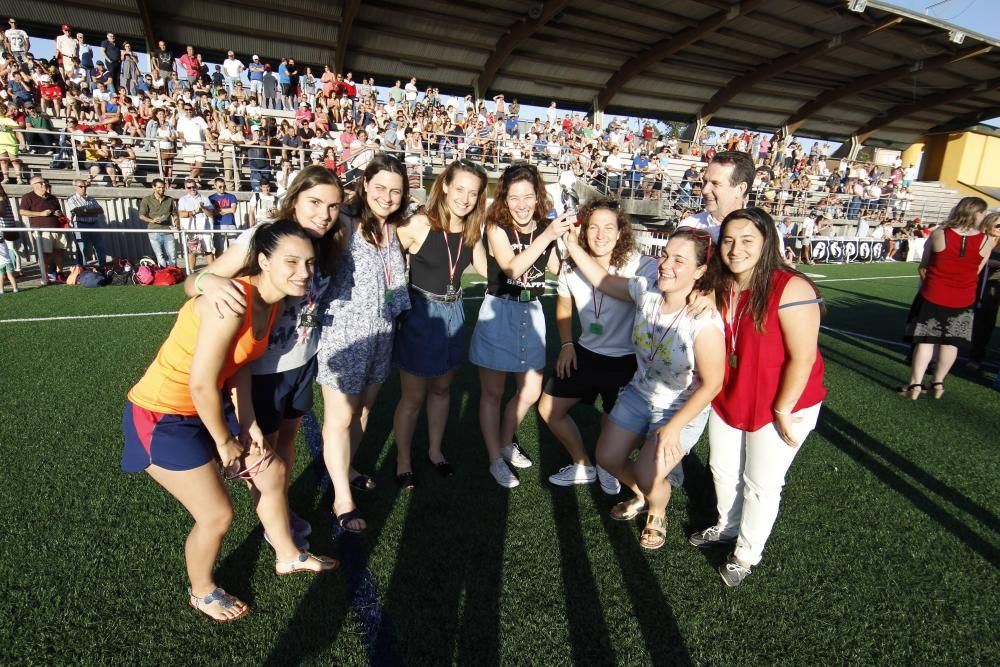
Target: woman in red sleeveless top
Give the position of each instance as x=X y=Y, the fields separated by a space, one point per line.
x=771 y=397
x=942 y=314
x=179 y=426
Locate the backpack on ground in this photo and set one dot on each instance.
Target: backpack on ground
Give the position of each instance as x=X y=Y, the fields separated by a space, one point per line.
x=170 y=275
x=119 y=272
x=146 y=271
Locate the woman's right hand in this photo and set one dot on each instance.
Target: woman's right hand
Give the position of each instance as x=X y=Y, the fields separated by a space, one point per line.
x=566 y=363
x=225 y=294
x=229 y=452
x=558 y=227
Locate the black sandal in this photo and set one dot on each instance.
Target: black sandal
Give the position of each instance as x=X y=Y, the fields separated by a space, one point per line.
x=362 y=483
x=938 y=389
x=347 y=517
x=911 y=390
x=443 y=468
x=406 y=481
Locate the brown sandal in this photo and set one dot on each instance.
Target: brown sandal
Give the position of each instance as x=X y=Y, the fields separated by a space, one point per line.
x=627 y=510
x=654 y=535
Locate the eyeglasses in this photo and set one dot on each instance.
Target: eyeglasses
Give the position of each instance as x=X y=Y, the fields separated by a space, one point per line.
x=192 y=187
x=250 y=471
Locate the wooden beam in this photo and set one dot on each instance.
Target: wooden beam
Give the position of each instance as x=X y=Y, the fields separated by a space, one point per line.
x=669 y=46
x=518 y=34
x=865 y=132
x=877 y=79
x=347 y=17
x=786 y=62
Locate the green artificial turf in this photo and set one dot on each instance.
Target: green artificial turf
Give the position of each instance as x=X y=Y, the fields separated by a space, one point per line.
x=885 y=551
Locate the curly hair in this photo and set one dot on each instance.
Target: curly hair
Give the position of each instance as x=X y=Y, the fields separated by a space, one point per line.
x=498 y=214
x=625 y=246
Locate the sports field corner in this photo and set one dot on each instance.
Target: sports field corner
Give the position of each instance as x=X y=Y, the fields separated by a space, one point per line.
x=885 y=550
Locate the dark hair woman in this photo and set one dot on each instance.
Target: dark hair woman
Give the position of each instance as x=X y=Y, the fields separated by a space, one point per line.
x=510 y=331
x=771 y=398
x=179 y=423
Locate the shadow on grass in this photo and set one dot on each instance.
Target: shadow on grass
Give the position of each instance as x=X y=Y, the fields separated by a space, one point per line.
x=589 y=638
x=445 y=589
x=863 y=448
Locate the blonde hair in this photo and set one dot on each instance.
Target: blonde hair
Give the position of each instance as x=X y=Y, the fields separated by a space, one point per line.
x=963 y=216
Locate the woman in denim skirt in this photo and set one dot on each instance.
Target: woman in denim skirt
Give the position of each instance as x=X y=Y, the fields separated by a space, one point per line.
x=442 y=240
x=510 y=331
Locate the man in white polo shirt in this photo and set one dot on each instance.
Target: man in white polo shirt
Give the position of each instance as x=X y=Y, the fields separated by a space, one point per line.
x=726 y=182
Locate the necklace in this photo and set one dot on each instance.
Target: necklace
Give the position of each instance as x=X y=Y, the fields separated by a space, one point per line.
x=734 y=317
x=655 y=349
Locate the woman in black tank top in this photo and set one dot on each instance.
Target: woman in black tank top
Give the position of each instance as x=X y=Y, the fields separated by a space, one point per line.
x=441 y=242
x=510 y=330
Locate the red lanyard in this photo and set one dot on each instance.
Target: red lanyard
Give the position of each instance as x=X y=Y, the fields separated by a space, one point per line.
x=656 y=318
x=733 y=318
x=597 y=303
x=452 y=268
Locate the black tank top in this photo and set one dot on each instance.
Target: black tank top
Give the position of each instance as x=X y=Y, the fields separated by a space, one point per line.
x=429 y=267
x=499 y=284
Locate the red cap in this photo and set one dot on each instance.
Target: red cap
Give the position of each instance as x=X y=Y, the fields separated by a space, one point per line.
x=65 y=26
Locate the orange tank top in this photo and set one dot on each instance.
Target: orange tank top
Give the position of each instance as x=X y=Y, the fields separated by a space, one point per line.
x=164 y=387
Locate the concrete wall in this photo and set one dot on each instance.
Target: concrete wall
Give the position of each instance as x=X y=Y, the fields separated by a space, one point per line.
x=959 y=158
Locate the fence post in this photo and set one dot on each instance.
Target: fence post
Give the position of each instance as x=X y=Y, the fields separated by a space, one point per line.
x=42 y=268
x=184 y=248
x=76 y=160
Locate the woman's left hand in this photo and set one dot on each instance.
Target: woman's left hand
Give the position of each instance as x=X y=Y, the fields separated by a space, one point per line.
x=783 y=425
x=701 y=303
x=252 y=439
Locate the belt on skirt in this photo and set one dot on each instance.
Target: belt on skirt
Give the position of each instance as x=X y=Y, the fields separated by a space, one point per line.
x=439 y=298
x=513 y=297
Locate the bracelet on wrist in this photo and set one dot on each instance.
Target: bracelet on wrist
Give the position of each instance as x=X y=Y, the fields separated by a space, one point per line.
x=197 y=281
x=783 y=413
x=569 y=342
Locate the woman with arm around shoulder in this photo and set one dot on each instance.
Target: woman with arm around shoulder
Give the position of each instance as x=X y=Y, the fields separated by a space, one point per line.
x=283 y=377
x=602 y=361
x=771 y=398
x=663 y=409
x=366 y=295
x=510 y=331
x=942 y=314
x=178 y=422
x=442 y=242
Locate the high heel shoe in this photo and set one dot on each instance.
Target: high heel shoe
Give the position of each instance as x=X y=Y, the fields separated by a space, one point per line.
x=938 y=389
x=912 y=390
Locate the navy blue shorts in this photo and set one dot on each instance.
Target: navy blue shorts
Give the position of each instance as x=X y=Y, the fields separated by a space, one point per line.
x=285 y=395
x=173 y=442
x=430 y=337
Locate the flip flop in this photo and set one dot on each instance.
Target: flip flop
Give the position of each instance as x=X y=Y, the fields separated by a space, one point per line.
x=296 y=566
x=219 y=597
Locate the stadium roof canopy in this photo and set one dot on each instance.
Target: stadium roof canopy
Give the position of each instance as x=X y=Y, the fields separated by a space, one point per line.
x=815 y=67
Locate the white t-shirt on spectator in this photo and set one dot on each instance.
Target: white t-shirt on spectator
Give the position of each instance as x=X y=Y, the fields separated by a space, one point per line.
x=192 y=128
x=232 y=67
x=411 y=92
x=616 y=316
x=17 y=38
x=192 y=203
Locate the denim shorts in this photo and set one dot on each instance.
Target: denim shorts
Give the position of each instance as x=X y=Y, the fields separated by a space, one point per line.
x=430 y=337
x=509 y=336
x=633 y=413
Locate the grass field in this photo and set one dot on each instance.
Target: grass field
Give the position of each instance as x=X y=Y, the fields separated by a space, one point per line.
x=886 y=549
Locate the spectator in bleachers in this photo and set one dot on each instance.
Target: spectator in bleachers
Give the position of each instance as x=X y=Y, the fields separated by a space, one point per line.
x=17 y=41
x=130 y=72
x=159 y=212
x=86 y=213
x=191 y=130
x=232 y=69
x=9 y=144
x=112 y=58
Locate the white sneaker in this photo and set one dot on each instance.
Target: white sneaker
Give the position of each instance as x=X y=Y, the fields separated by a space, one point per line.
x=502 y=474
x=575 y=473
x=609 y=484
x=514 y=455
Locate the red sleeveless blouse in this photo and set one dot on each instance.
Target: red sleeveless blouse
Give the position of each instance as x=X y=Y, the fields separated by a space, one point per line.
x=952 y=276
x=747 y=397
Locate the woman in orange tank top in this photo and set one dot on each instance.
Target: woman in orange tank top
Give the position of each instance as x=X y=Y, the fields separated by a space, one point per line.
x=179 y=419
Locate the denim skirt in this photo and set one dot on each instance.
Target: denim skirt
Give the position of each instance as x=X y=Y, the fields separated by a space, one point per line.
x=430 y=337
x=509 y=336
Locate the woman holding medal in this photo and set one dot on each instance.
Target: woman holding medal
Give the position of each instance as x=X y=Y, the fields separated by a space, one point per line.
x=602 y=361
x=663 y=410
x=283 y=377
x=366 y=295
x=179 y=423
x=430 y=343
x=773 y=390
x=510 y=331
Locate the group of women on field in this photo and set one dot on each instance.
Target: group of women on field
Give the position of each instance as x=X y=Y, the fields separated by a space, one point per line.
x=720 y=334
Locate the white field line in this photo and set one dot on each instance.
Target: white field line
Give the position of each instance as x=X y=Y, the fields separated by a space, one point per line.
x=84 y=317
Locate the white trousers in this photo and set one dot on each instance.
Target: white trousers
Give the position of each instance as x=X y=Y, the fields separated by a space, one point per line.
x=749 y=471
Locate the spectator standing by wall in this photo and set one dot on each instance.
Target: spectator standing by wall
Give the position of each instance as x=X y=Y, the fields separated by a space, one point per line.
x=86 y=213
x=195 y=210
x=85 y=53
x=130 y=73
x=232 y=69
x=17 y=40
x=112 y=58
x=42 y=209
x=163 y=61
x=159 y=212
x=67 y=49
x=224 y=212
x=255 y=74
